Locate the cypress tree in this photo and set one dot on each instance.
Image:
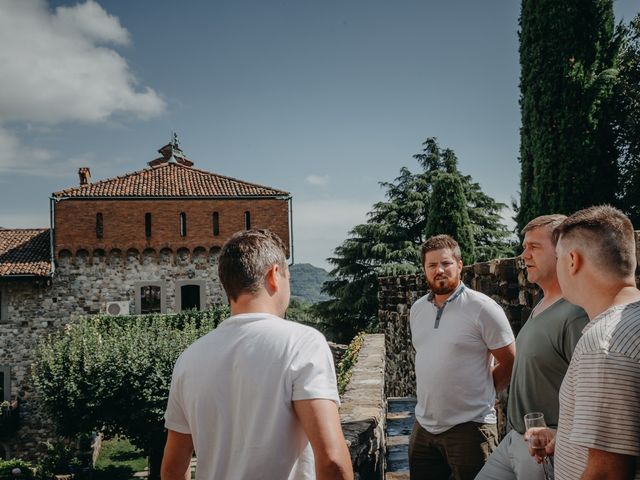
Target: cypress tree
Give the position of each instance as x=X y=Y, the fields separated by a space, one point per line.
x=448 y=214
x=567 y=144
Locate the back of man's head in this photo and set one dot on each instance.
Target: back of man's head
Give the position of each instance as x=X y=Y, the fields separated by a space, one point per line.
x=605 y=236
x=245 y=259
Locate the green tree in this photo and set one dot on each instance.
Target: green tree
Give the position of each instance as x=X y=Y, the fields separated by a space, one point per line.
x=389 y=242
x=112 y=374
x=567 y=143
x=628 y=119
x=448 y=214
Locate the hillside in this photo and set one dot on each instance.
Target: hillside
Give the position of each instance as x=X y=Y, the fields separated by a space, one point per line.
x=306 y=282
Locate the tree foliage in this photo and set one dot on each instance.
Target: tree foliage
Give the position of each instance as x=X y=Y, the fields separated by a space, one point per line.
x=627 y=120
x=389 y=242
x=112 y=374
x=567 y=142
x=448 y=214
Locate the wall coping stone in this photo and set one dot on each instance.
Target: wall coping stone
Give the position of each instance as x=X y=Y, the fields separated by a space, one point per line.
x=363 y=409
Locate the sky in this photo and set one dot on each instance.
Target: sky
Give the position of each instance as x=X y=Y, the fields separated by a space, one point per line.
x=321 y=99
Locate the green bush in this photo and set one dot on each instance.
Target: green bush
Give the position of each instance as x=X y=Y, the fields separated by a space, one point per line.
x=7 y=467
x=112 y=374
x=348 y=361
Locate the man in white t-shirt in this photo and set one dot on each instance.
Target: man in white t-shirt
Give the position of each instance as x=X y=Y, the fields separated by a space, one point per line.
x=598 y=433
x=256 y=398
x=456 y=333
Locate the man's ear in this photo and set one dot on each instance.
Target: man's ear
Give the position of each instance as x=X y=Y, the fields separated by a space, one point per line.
x=576 y=261
x=271 y=278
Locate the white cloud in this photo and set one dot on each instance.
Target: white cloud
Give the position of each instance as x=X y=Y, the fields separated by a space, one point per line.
x=57 y=67
x=19 y=158
x=320 y=226
x=318 y=180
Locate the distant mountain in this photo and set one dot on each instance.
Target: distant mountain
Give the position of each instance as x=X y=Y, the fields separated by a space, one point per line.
x=306 y=282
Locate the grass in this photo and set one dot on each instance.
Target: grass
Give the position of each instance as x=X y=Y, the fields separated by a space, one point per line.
x=118 y=460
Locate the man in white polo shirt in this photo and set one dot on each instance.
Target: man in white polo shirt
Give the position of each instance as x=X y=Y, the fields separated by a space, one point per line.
x=456 y=332
x=599 y=426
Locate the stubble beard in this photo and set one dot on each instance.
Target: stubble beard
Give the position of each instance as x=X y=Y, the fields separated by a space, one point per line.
x=443 y=285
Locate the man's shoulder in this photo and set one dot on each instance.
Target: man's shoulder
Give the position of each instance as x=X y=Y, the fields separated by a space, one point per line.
x=478 y=298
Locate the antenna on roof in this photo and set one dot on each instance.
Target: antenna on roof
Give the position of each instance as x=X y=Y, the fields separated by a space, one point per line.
x=175 y=148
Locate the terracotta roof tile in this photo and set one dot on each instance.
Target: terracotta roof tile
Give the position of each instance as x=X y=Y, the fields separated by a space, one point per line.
x=25 y=252
x=171 y=180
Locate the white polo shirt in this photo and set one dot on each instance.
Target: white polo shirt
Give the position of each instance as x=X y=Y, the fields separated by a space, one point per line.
x=453 y=362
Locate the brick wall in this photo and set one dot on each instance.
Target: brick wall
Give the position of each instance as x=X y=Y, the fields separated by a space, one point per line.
x=124 y=223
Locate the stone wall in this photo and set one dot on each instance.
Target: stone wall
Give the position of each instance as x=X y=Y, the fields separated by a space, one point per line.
x=363 y=410
x=82 y=286
x=504 y=280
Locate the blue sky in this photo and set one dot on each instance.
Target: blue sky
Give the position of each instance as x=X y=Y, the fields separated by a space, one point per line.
x=323 y=99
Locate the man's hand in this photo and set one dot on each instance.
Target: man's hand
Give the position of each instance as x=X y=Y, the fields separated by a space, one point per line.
x=542 y=442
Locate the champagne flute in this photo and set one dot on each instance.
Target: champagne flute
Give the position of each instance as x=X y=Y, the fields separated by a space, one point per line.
x=536 y=420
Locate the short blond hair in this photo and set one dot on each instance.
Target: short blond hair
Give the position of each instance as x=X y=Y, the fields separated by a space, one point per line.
x=549 y=222
x=606 y=234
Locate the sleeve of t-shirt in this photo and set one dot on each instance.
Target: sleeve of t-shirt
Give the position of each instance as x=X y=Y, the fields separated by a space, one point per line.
x=572 y=333
x=174 y=417
x=312 y=371
x=494 y=326
x=607 y=403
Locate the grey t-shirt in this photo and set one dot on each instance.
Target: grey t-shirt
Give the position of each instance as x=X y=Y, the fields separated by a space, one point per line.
x=544 y=348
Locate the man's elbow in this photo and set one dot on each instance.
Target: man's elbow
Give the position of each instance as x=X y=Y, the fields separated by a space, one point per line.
x=334 y=464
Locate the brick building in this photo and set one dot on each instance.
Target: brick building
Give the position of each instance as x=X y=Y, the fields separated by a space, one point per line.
x=143 y=242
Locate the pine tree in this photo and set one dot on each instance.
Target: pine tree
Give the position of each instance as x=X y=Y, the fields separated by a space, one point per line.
x=448 y=214
x=389 y=242
x=567 y=152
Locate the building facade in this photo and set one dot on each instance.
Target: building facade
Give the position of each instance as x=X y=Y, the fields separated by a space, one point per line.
x=144 y=242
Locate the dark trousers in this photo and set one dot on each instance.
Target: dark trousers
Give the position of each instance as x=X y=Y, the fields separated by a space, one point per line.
x=460 y=452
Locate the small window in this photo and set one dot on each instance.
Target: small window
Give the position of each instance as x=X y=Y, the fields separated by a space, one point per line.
x=247 y=220
x=99 y=226
x=183 y=224
x=5 y=383
x=150 y=299
x=216 y=224
x=147 y=225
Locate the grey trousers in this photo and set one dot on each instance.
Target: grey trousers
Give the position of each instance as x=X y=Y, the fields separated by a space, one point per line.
x=512 y=461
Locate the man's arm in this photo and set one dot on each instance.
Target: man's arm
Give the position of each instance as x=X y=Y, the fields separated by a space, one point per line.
x=502 y=372
x=177 y=456
x=321 y=422
x=603 y=465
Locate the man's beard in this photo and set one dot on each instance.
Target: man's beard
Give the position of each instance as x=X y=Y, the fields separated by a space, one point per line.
x=443 y=285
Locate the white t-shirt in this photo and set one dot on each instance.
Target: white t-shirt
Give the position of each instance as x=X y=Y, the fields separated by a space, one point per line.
x=232 y=391
x=453 y=362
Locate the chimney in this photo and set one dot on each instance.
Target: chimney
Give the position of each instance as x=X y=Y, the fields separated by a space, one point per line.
x=85 y=175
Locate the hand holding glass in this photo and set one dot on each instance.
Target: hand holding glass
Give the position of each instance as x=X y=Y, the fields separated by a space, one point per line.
x=537 y=443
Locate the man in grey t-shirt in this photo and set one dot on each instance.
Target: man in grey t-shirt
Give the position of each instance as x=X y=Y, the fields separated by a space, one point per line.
x=543 y=351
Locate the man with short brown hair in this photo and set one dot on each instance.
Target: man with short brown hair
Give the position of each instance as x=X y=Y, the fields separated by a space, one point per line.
x=256 y=397
x=599 y=427
x=456 y=333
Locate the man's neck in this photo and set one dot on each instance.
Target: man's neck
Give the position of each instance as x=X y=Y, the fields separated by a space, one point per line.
x=602 y=301
x=551 y=294
x=246 y=303
x=439 y=300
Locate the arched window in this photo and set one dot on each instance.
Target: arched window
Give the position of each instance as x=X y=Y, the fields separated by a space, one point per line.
x=247 y=220
x=216 y=224
x=183 y=224
x=99 y=226
x=147 y=225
